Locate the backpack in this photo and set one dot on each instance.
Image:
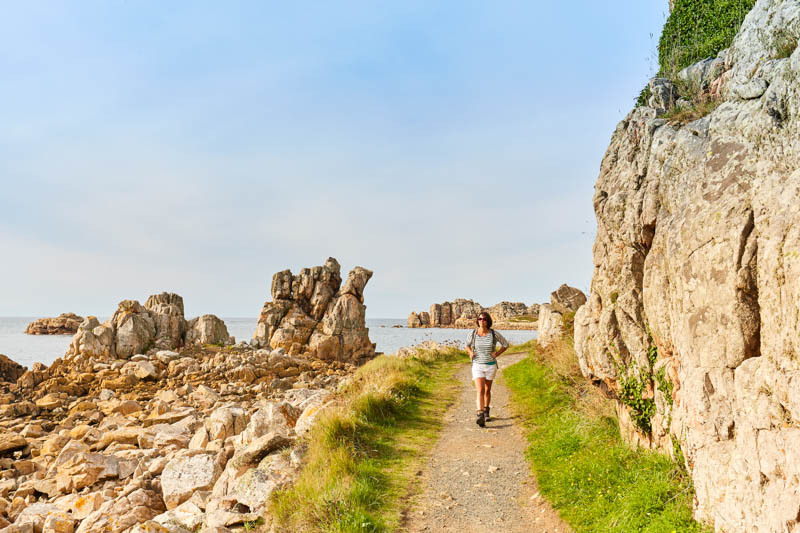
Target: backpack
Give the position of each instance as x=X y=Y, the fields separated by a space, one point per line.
x=475 y=332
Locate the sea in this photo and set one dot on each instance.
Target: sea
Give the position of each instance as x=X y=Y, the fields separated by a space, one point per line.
x=28 y=349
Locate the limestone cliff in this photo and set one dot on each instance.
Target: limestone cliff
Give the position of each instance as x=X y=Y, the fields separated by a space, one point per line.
x=694 y=311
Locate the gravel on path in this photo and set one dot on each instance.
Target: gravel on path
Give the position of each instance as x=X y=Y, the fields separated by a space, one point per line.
x=477 y=479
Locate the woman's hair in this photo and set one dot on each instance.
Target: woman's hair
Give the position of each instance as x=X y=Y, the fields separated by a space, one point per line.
x=488 y=318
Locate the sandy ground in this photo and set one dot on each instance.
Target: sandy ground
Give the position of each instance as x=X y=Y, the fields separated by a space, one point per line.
x=477 y=479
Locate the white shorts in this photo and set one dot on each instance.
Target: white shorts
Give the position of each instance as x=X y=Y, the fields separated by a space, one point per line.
x=483 y=371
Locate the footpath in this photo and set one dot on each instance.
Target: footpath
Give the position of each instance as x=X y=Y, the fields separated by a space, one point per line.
x=477 y=479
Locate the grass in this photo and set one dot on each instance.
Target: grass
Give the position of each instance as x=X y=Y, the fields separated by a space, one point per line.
x=697 y=29
x=363 y=454
x=522 y=318
x=594 y=480
x=680 y=116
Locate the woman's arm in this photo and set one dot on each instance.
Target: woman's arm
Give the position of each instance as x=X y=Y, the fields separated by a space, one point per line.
x=497 y=353
x=503 y=344
x=471 y=353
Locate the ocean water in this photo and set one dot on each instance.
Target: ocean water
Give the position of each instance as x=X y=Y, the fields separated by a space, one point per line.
x=29 y=349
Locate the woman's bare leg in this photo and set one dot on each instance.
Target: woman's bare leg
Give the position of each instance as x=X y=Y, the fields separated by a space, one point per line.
x=480 y=388
x=487 y=393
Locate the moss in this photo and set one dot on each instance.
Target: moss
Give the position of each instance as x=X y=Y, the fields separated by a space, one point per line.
x=614 y=297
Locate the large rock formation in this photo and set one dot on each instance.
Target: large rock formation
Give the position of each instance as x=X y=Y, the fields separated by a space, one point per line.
x=311 y=313
x=135 y=329
x=563 y=300
x=692 y=320
x=63 y=324
x=461 y=313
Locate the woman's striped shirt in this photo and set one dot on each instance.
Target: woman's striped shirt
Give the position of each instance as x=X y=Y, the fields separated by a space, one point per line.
x=483 y=346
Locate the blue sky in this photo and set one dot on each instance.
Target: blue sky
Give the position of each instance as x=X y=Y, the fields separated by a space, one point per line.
x=199 y=147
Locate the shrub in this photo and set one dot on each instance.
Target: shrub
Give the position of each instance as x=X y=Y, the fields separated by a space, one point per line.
x=697 y=29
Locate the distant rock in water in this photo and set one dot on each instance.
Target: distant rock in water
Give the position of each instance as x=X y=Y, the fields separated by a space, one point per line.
x=135 y=329
x=310 y=314
x=63 y=324
x=10 y=371
x=462 y=313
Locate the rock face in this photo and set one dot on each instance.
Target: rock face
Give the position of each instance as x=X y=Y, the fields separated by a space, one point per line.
x=10 y=371
x=563 y=300
x=695 y=295
x=206 y=329
x=314 y=313
x=462 y=313
x=63 y=324
x=135 y=329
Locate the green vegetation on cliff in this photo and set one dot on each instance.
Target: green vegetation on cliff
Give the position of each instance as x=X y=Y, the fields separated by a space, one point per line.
x=584 y=469
x=697 y=29
x=364 y=452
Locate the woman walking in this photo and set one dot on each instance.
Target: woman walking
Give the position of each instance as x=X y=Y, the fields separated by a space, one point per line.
x=481 y=347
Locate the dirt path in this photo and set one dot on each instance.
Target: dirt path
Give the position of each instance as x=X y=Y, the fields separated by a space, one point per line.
x=477 y=480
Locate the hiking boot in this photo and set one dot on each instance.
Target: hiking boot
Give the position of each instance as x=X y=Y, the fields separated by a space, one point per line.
x=486 y=413
x=481 y=421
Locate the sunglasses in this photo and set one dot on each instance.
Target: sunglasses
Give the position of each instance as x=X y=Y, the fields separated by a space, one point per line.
x=481 y=319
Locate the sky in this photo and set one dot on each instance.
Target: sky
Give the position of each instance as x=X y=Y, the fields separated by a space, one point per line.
x=199 y=147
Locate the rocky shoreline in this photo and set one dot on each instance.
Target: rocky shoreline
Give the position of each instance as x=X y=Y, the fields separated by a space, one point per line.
x=174 y=440
x=461 y=314
x=152 y=423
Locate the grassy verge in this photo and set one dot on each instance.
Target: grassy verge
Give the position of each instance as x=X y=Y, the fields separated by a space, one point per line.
x=584 y=469
x=364 y=453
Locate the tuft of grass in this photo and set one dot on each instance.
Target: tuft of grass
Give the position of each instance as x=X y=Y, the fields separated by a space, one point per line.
x=680 y=116
x=522 y=318
x=784 y=42
x=583 y=468
x=363 y=452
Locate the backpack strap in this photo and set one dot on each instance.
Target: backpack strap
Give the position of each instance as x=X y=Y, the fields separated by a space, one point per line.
x=472 y=339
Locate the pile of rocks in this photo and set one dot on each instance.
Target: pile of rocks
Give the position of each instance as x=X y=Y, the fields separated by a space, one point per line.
x=311 y=314
x=63 y=324
x=187 y=441
x=134 y=328
x=563 y=300
x=462 y=313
